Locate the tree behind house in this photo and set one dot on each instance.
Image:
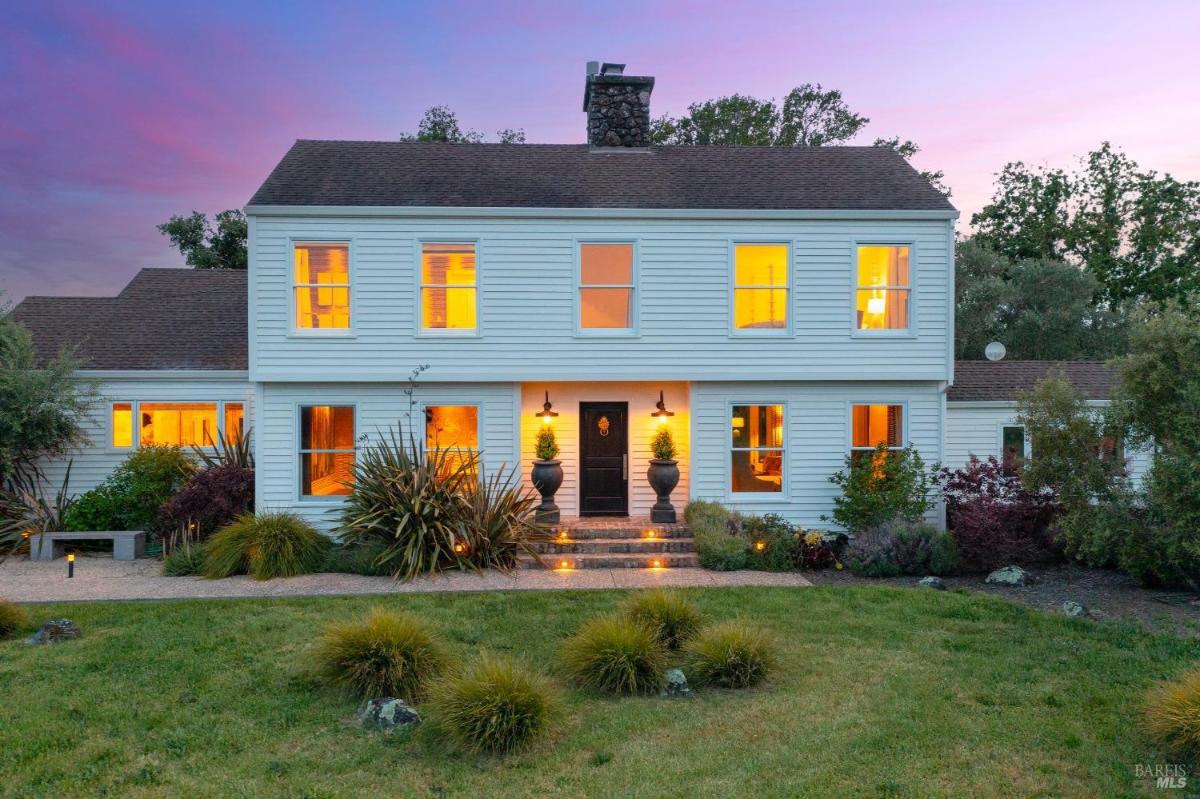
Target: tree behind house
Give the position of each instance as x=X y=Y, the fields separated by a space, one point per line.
x=208 y=246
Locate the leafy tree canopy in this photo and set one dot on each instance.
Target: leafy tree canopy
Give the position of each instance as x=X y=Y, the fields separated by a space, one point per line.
x=440 y=124
x=1136 y=231
x=809 y=116
x=1039 y=308
x=1159 y=393
x=205 y=246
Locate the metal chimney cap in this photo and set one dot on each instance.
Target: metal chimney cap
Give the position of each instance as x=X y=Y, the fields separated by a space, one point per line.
x=612 y=69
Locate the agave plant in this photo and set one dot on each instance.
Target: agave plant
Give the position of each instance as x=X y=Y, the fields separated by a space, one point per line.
x=234 y=451
x=25 y=511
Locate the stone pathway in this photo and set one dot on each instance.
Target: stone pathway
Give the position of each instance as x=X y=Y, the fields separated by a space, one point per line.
x=100 y=579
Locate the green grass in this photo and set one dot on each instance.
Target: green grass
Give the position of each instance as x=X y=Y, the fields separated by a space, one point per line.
x=878 y=692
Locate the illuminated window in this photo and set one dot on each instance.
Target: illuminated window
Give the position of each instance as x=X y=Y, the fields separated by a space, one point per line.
x=881 y=299
x=760 y=287
x=606 y=286
x=452 y=427
x=177 y=424
x=757 y=449
x=122 y=424
x=326 y=450
x=322 y=286
x=1012 y=443
x=873 y=425
x=235 y=421
x=448 y=287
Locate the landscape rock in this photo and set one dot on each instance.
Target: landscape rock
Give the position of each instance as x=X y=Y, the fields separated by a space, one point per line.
x=935 y=583
x=1075 y=610
x=387 y=714
x=1009 y=575
x=677 y=684
x=55 y=631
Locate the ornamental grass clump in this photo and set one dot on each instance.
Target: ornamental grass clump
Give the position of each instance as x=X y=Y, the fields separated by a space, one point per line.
x=673 y=619
x=388 y=655
x=730 y=655
x=13 y=619
x=266 y=545
x=1171 y=716
x=614 y=654
x=496 y=707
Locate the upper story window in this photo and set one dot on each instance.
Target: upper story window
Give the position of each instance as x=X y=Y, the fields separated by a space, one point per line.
x=883 y=288
x=606 y=287
x=322 y=286
x=873 y=425
x=448 y=287
x=326 y=450
x=756 y=449
x=760 y=287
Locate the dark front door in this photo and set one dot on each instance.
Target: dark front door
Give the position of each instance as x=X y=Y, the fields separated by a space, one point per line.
x=603 y=459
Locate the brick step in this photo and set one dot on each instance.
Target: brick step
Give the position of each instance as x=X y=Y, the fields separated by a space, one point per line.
x=588 y=534
x=617 y=545
x=607 y=560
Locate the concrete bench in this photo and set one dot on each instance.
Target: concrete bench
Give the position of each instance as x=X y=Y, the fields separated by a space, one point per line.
x=127 y=544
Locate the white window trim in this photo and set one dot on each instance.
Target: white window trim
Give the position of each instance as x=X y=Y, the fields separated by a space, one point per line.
x=321 y=332
x=634 y=298
x=421 y=285
x=298 y=471
x=783 y=494
x=904 y=433
x=787 y=287
x=135 y=415
x=907 y=332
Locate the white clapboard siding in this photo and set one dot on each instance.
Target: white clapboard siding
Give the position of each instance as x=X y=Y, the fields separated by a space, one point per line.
x=817 y=422
x=92 y=462
x=973 y=428
x=379 y=408
x=527 y=307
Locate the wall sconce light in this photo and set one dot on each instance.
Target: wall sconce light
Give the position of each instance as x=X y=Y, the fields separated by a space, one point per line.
x=547 y=414
x=662 y=414
x=70 y=565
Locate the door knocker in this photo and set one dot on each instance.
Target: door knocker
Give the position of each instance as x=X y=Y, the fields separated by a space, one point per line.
x=603 y=425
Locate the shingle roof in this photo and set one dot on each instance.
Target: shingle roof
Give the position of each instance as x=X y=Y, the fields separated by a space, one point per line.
x=976 y=381
x=164 y=319
x=373 y=173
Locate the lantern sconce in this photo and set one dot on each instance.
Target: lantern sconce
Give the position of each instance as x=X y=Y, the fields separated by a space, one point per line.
x=662 y=414
x=547 y=414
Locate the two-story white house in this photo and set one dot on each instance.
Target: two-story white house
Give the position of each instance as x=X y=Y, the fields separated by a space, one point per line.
x=790 y=306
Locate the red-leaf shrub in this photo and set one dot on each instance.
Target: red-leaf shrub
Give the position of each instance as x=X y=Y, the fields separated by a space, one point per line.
x=210 y=500
x=994 y=519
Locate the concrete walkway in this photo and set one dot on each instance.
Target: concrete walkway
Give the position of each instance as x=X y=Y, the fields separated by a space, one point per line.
x=101 y=579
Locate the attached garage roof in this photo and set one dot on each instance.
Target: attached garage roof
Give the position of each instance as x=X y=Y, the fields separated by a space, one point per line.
x=431 y=174
x=980 y=381
x=164 y=319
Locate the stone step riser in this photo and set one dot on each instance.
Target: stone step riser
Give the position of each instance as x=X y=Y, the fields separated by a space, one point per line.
x=574 y=562
x=622 y=546
x=617 y=532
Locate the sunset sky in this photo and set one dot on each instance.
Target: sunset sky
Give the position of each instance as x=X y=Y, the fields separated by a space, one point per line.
x=117 y=115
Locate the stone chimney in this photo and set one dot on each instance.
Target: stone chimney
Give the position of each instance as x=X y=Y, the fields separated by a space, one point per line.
x=617 y=106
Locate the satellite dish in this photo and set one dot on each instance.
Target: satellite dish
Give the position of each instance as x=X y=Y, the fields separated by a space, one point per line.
x=995 y=351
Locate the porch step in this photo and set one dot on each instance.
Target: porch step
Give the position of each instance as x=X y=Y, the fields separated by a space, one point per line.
x=660 y=531
x=612 y=560
x=618 y=545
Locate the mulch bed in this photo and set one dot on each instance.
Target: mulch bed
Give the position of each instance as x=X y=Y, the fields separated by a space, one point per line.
x=1108 y=595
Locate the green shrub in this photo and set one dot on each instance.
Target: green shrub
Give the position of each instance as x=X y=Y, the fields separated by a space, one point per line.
x=1171 y=715
x=902 y=548
x=716 y=547
x=389 y=654
x=614 y=654
x=13 y=619
x=730 y=655
x=673 y=619
x=431 y=510
x=496 y=707
x=662 y=446
x=943 y=555
x=547 y=444
x=185 y=560
x=357 y=559
x=880 y=486
x=131 y=497
x=266 y=545
x=870 y=553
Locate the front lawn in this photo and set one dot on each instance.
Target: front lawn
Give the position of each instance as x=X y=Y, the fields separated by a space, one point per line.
x=880 y=692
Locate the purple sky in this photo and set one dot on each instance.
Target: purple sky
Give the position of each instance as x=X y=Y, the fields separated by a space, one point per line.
x=117 y=115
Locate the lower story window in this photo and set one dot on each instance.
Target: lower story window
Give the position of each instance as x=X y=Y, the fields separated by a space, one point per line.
x=1012 y=444
x=235 y=421
x=756 y=451
x=873 y=426
x=326 y=450
x=177 y=424
x=453 y=429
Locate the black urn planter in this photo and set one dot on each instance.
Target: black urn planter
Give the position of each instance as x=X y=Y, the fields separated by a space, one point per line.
x=546 y=477
x=663 y=476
